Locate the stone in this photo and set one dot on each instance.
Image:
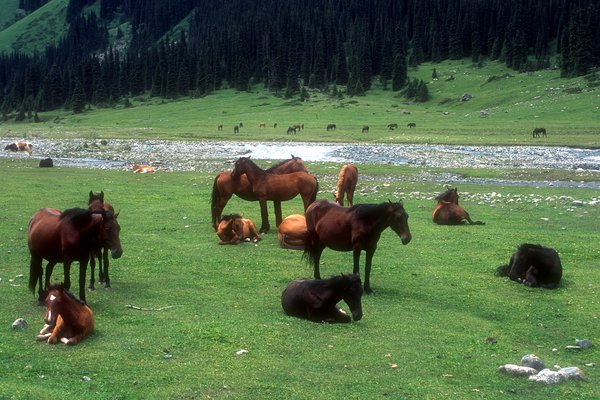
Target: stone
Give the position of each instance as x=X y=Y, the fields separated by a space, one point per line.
x=19 y=323
x=532 y=361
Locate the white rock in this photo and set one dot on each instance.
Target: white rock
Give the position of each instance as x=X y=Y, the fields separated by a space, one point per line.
x=19 y=324
x=517 y=370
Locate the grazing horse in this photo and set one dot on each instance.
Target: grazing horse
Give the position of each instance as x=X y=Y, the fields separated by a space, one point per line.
x=391 y=127
x=142 y=169
x=233 y=229
x=331 y=127
x=539 y=131
x=534 y=266
x=225 y=186
x=67 y=237
x=291 y=130
x=353 y=229
x=448 y=212
x=96 y=203
x=262 y=125
x=220 y=127
x=411 y=125
x=292 y=232
x=316 y=300
x=346 y=184
x=20 y=146
x=236 y=129
x=365 y=129
x=267 y=186
x=67 y=319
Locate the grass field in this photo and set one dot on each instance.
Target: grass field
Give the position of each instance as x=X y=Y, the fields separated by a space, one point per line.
x=424 y=334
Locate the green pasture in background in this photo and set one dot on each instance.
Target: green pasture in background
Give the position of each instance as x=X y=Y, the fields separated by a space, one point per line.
x=438 y=325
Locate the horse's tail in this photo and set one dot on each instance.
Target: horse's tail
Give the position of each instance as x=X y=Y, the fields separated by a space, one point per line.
x=34 y=273
x=310 y=241
x=214 y=200
x=339 y=194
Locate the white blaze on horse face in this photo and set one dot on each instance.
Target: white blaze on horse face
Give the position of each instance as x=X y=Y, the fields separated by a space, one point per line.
x=52 y=297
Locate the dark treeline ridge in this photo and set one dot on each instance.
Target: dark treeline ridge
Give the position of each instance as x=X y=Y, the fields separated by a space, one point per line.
x=288 y=45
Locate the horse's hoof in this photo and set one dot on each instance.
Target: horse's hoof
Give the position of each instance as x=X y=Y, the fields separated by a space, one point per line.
x=368 y=291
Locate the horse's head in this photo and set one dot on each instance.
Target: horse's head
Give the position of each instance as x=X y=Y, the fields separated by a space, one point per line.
x=53 y=295
x=95 y=200
x=399 y=221
x=450 y=195
x=352 y=294
x=241 y=166
x=111 y=233
x=298 y=164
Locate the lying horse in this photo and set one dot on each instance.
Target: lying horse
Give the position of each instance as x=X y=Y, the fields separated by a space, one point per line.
x=143 y=169
x=533 y=265
x=448 y=212
x=66 y=237
x=20 y=146
x=347 y=179
x=96 y=203
x=67 y=319
x=316 y=300
x=292 y=232
x=233 y=229
x=352 y=229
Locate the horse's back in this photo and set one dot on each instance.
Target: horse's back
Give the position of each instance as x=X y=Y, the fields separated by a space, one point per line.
x=446 y=213
x=293 y=300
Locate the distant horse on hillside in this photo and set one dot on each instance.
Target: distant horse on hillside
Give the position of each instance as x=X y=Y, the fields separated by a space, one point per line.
x=331 y=127
x=20 y=146
x=365 y=129
x=539 y=131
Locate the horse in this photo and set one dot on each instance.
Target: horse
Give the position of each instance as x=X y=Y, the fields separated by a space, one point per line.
x=347 y=179
x=391 y=127
x=365 y=129
x=267 y=186
x=46 y=163
x=533 y=265
x=448 y=212
x=66 y=237
x=142 y=169
x=220 y=127
x=236 y=129
x=262 y=125
x=291 y=130
x=67 y=319
x=355 y=229
x=96 y=203
x=539 y=131
x=20 y=146
x=316 y=300
x=411 y=125
x=233 y=229
x=224 y=186
x=331 y=127
x=292 y=232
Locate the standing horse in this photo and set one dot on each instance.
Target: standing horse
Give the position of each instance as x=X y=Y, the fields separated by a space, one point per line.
x=275 y=187
x=316 y=300
x=355 y=229
x=448 y=212
x=67 y=237
x=67 y=319
x=225 y=186
x=96 y=203
x=539 y=131
x=346 y=184
x=20 y=146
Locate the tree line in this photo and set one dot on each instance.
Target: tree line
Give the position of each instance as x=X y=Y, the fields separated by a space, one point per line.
x=288 y=46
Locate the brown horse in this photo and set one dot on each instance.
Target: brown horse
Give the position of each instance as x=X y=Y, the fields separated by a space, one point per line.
x=225 y=186
x=233 y=229
x=292 y=232
x=448 y=212
x=267 y=186
x=346 y=184
x=67 y=319
x=353 y=229
x=96 y=203
x=67 y=237
x=20 y=146
x=143 y=169
x=539 y=131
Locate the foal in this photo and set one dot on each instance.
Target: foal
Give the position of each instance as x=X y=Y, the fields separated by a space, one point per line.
x=67 y=319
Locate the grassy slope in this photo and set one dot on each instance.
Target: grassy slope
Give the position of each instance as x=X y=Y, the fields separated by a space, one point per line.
x=7 y=11
x=436 y=300
x=515 y=105
x=37 y=30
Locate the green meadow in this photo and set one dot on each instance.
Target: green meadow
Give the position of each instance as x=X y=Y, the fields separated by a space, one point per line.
x=438 y=325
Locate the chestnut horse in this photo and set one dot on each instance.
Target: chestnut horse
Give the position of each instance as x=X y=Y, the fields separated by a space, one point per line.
x=267 y=186
x=316 y=300
x=67 y=319
x=96 y=203
x=346 y=184
x=67 y=237
x=292 y=232
x=448 y=212
x=355 y=229
x=233 y=229
x=224 y=186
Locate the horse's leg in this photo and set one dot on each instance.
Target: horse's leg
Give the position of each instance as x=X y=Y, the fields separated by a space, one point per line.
x=36 y=268
x=104 y=269
x=317 y=260
x=278 y=217
x=49 y=269
x=82 y=270
x=339 y=315
x=93 y=270
x=356 y=258
x=67 y=273
x=368 y=261
x=264 y=213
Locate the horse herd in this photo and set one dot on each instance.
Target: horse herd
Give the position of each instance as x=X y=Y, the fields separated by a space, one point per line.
x=84 y=234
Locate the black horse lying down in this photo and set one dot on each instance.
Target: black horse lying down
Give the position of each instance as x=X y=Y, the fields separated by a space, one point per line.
x=316 y=299
x=533 y=265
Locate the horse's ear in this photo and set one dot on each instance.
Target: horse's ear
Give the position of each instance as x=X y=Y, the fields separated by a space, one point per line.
x=117 y=213
x=91 y=194
x=102 y=195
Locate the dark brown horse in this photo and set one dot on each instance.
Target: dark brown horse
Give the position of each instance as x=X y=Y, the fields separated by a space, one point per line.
x=449 y=212
x=316 y=300
x=346 y=184
x=355 y=229
x=224 y=186
x=67 y=319
x=537 y=132
x=533 y=265
x=278 y=188
x=96 y=203
x=67 y=237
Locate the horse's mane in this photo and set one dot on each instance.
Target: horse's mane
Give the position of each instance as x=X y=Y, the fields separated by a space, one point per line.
x=367 y=210
x=280 y=163
x=230 y=216
x=77 y=216
x=338 y=193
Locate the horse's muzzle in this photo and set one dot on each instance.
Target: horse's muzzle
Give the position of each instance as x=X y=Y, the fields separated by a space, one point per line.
x=406 y=239
x=116 y=253
x=357 y=315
